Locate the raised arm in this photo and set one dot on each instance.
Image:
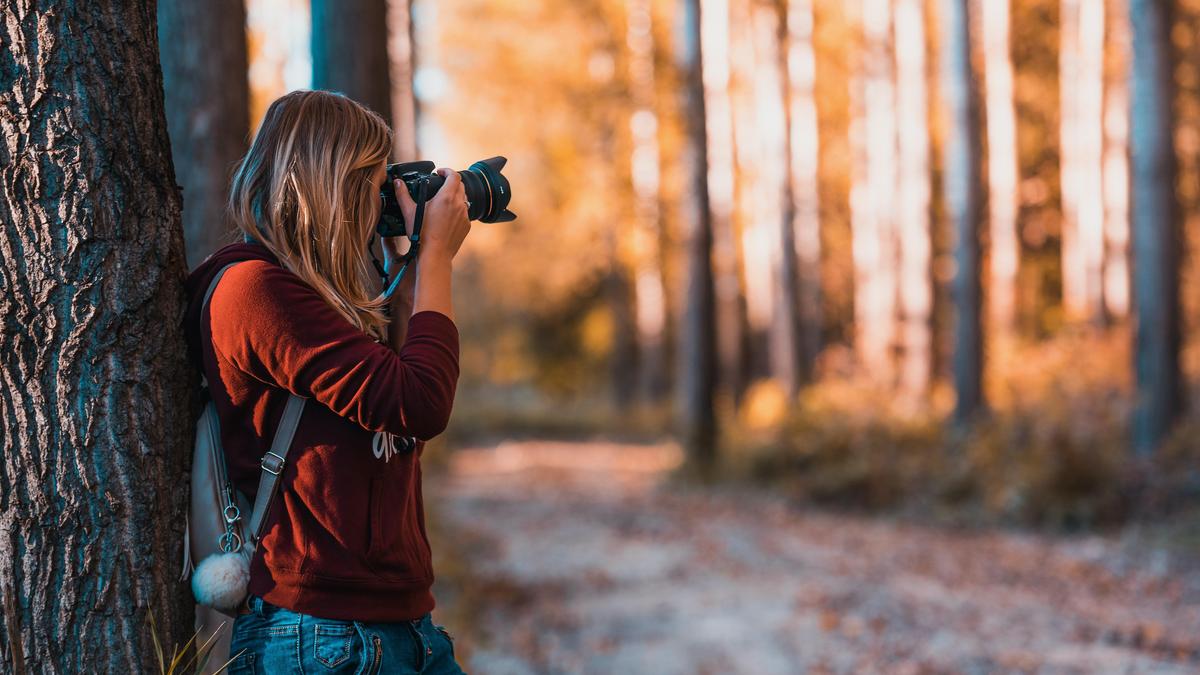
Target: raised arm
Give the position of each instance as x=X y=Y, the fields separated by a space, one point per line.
x=270 y=324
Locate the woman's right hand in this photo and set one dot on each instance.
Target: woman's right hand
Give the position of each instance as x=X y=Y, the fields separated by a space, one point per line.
x=446 y=223
x=445 y=227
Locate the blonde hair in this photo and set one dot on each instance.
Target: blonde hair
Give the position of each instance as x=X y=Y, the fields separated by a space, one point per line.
x=304 y=191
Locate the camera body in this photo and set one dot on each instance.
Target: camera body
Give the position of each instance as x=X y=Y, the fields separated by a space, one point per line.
x=488 y=192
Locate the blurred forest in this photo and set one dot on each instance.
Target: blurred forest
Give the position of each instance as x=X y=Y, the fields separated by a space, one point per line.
x=884 y=253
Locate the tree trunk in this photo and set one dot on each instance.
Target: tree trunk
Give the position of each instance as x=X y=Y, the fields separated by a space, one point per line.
x=1116 y=166
x=350 y=51
x=698 y=362
x=760 y=170
x=1155 y=226
x=730 y=308
x=96 y=395
x=873 y=197
x=1081 y=80
x=402 y=54
x=648 y=292
x=797 y=325
x=962 y=198
x=1002 y=168
x=208 y=110
x=914 y=237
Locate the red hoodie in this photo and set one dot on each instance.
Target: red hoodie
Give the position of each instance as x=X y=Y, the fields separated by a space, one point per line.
x=346 y=537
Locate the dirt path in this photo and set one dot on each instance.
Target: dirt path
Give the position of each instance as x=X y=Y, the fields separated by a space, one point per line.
x=584 y=561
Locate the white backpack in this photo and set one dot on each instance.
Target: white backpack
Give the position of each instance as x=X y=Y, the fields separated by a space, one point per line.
x=216 y=532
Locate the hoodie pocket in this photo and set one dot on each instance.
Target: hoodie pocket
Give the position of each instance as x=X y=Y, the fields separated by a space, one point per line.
x=397 y=550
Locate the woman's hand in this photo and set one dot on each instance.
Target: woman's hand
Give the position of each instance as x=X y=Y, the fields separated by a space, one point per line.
x=446 y=222
x=445 y=227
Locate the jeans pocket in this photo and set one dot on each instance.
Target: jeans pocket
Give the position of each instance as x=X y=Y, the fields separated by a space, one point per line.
x=332 y=643
x=242 y=664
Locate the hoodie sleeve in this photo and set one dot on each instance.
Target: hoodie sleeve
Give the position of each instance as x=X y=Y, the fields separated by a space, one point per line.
x=270 y=324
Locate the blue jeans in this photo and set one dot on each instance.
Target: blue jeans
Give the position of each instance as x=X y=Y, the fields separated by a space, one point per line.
x=271 y=639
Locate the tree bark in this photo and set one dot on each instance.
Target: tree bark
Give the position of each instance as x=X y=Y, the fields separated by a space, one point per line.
x=208 y=110
x=1155 y=227
x=95 y=394
x=961 y=186
x=697 y=351
x=350 y=51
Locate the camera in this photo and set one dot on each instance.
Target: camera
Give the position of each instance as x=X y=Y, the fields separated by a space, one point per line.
x=487 y=190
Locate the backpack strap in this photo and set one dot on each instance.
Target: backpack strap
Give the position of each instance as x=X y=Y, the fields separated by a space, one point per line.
x=273 y=462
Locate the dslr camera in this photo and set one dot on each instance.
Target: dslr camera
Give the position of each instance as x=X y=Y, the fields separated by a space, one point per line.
x=487 y=190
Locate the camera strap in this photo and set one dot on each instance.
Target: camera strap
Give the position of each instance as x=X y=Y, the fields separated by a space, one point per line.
x=414 y=239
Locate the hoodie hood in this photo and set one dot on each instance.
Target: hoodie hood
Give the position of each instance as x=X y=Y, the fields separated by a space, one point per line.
x=197 y=284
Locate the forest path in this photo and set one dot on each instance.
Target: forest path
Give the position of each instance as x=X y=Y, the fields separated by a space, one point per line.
x=582 y=558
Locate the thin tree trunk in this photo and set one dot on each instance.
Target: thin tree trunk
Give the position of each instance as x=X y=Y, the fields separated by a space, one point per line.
x=797 y=325
x=402 y=55
x=758 y=128
x=644 y=164
x=697 y=368
x=1116 y=166
x=873 y=197
x=1081 y=79
x=350 y=51
x=208 y=110
x=914 y=236
x=962 y=198
x=95 y=393
x=1155 y=226
x=730 y=308
x=1002 y=167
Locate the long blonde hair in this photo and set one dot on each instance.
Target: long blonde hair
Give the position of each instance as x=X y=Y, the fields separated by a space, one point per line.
x=304 y=191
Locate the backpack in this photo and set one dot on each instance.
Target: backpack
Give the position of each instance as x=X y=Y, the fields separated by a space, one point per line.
x=217 y=533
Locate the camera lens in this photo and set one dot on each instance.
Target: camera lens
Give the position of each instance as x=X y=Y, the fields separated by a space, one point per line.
x=488 y=191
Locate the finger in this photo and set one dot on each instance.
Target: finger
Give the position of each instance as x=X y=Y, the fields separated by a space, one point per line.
x=453 y=184
x=405 y=199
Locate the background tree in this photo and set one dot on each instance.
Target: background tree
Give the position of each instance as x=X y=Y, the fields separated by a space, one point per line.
x=402 y=55
x=873 y=196
x=1155 y=225
x=350 y=51
x=797 y=321
x=996 y=20
x=914 y=236
x=208 y=107
x=1081 y=81
x=697 y=335
x=95 y=380
x=961 y=186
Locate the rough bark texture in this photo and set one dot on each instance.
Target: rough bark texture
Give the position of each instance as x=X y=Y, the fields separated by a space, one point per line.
x=208 y=110
x=698 y=362
x=963 y=204
x=1155 y=226
x=350 y=51
x=95 y=395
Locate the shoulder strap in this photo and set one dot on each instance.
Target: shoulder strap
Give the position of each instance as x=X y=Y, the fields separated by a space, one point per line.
x=273 y=462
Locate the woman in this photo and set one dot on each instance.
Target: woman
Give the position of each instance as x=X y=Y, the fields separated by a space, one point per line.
x=341 y=580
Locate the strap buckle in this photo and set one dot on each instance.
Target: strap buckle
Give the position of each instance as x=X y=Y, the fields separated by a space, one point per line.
x=272 y=467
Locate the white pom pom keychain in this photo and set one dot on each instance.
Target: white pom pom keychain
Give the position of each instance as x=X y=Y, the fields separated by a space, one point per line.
x=220 y=580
